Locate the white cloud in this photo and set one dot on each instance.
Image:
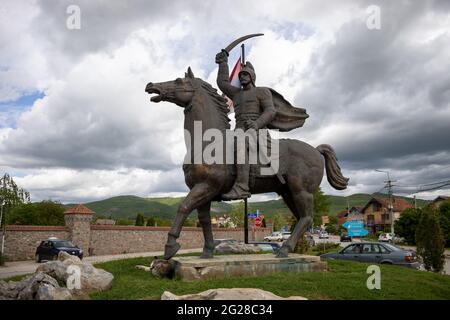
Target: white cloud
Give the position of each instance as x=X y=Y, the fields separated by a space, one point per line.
x=380 y=98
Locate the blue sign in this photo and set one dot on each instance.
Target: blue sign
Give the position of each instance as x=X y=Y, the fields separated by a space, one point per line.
x=355 y=228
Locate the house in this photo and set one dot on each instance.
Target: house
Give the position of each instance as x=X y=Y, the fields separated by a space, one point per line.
x=354 y=213
x=436 y=203
x=376 y=212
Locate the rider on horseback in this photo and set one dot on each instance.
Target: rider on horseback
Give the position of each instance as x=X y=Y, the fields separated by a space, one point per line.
x=254 y=109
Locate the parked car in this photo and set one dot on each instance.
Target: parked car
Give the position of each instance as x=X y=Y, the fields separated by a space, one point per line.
x=375 y=252
x=386 y=237
x=323 y=235
x=345 y=237
x=275 y=236
x=285 y=234
x=50 y=248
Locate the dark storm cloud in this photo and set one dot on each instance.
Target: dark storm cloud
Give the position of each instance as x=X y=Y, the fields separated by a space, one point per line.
x=388 y=91
x=103 y=23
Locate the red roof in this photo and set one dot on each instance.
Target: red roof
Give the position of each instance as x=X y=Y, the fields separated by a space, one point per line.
x=79 y=209
x=399 y=204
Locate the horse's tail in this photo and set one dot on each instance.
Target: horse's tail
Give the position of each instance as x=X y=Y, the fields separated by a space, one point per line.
x=334 y=174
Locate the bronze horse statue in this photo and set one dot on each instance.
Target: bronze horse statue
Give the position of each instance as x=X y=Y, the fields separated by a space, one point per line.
x=301 y=165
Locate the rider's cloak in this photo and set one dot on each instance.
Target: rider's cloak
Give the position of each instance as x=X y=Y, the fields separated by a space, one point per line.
x=287 y=117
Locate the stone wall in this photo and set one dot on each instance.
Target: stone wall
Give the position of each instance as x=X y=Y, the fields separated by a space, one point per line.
x=21 y=241
x=128 y=239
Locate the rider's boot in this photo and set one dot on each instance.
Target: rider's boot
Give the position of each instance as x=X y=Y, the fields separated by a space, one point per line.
x=240 y=189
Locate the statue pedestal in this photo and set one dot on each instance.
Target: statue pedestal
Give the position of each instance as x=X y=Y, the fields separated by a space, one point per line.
x=194 y=268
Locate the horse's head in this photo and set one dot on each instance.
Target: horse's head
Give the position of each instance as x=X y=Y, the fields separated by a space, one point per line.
x=179 y=91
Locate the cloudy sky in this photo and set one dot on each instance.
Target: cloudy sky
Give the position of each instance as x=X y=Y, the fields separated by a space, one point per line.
x=76 y=124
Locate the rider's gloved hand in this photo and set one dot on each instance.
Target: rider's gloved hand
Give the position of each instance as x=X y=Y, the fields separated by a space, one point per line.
x=222 y=56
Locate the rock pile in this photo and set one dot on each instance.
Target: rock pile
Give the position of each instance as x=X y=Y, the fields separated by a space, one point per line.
x=64 y=279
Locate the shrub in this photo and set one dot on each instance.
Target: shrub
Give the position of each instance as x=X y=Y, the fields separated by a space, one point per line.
x=325 y=247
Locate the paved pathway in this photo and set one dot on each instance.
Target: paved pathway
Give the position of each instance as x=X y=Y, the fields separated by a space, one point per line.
x=18 y=268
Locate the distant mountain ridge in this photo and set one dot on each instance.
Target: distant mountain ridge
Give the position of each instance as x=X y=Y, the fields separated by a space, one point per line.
x=127 y=207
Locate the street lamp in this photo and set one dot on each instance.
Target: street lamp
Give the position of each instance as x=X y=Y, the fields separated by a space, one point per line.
x=390 y=205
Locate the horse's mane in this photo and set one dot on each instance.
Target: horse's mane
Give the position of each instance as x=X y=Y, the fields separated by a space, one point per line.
x=219 y=102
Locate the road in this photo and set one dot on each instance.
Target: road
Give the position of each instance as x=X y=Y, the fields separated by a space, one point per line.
x=17 y=268
x=336 y=239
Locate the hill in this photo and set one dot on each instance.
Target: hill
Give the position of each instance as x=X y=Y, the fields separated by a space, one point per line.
x=126 y=207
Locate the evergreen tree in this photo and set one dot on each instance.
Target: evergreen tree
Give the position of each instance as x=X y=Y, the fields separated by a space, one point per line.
x=430 y=240
x=140 y=220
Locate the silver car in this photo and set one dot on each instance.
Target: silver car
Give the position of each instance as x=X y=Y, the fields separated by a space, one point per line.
x=375 y=252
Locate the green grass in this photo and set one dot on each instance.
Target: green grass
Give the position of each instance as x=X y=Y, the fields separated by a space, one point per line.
x=344 y=280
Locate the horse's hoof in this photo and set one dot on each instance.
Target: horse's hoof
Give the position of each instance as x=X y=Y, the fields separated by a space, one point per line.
x=207 y=254
x=170 y=250
x=208 y=251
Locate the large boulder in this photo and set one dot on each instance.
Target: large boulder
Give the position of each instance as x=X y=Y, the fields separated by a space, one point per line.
x=229 y=294
x=237 y=247
x=38 y=286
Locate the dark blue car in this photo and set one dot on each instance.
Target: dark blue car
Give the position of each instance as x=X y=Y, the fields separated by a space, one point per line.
x=50 y=248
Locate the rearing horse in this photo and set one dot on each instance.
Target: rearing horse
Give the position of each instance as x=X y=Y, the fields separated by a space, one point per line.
x=301 y=165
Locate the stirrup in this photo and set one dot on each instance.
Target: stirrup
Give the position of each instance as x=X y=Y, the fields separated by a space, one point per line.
x=234 y=194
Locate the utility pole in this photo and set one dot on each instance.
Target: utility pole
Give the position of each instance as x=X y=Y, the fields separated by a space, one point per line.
x=389 y=186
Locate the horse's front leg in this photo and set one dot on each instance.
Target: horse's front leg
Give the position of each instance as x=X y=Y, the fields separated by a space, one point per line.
x=204 y=216
x=199 y=195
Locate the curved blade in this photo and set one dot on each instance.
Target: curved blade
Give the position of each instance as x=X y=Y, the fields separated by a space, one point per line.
x=237 y=41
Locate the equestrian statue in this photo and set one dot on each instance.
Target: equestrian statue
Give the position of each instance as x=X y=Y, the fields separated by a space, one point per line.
x=295 y=179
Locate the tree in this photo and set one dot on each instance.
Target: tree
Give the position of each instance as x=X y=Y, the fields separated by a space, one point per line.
x=321 y=202
x=321 y=206
x=278 y=221
x=331 y=229
x=236 y=215
x=11 y=195
x=444 y=211
x=45 y=213
x=430 y=240
x=140 y=220
x=406 y=225
x=263 y=222
x=151 y=221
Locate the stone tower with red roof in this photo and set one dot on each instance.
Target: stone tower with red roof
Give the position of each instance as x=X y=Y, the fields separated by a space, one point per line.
x=78 y=220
